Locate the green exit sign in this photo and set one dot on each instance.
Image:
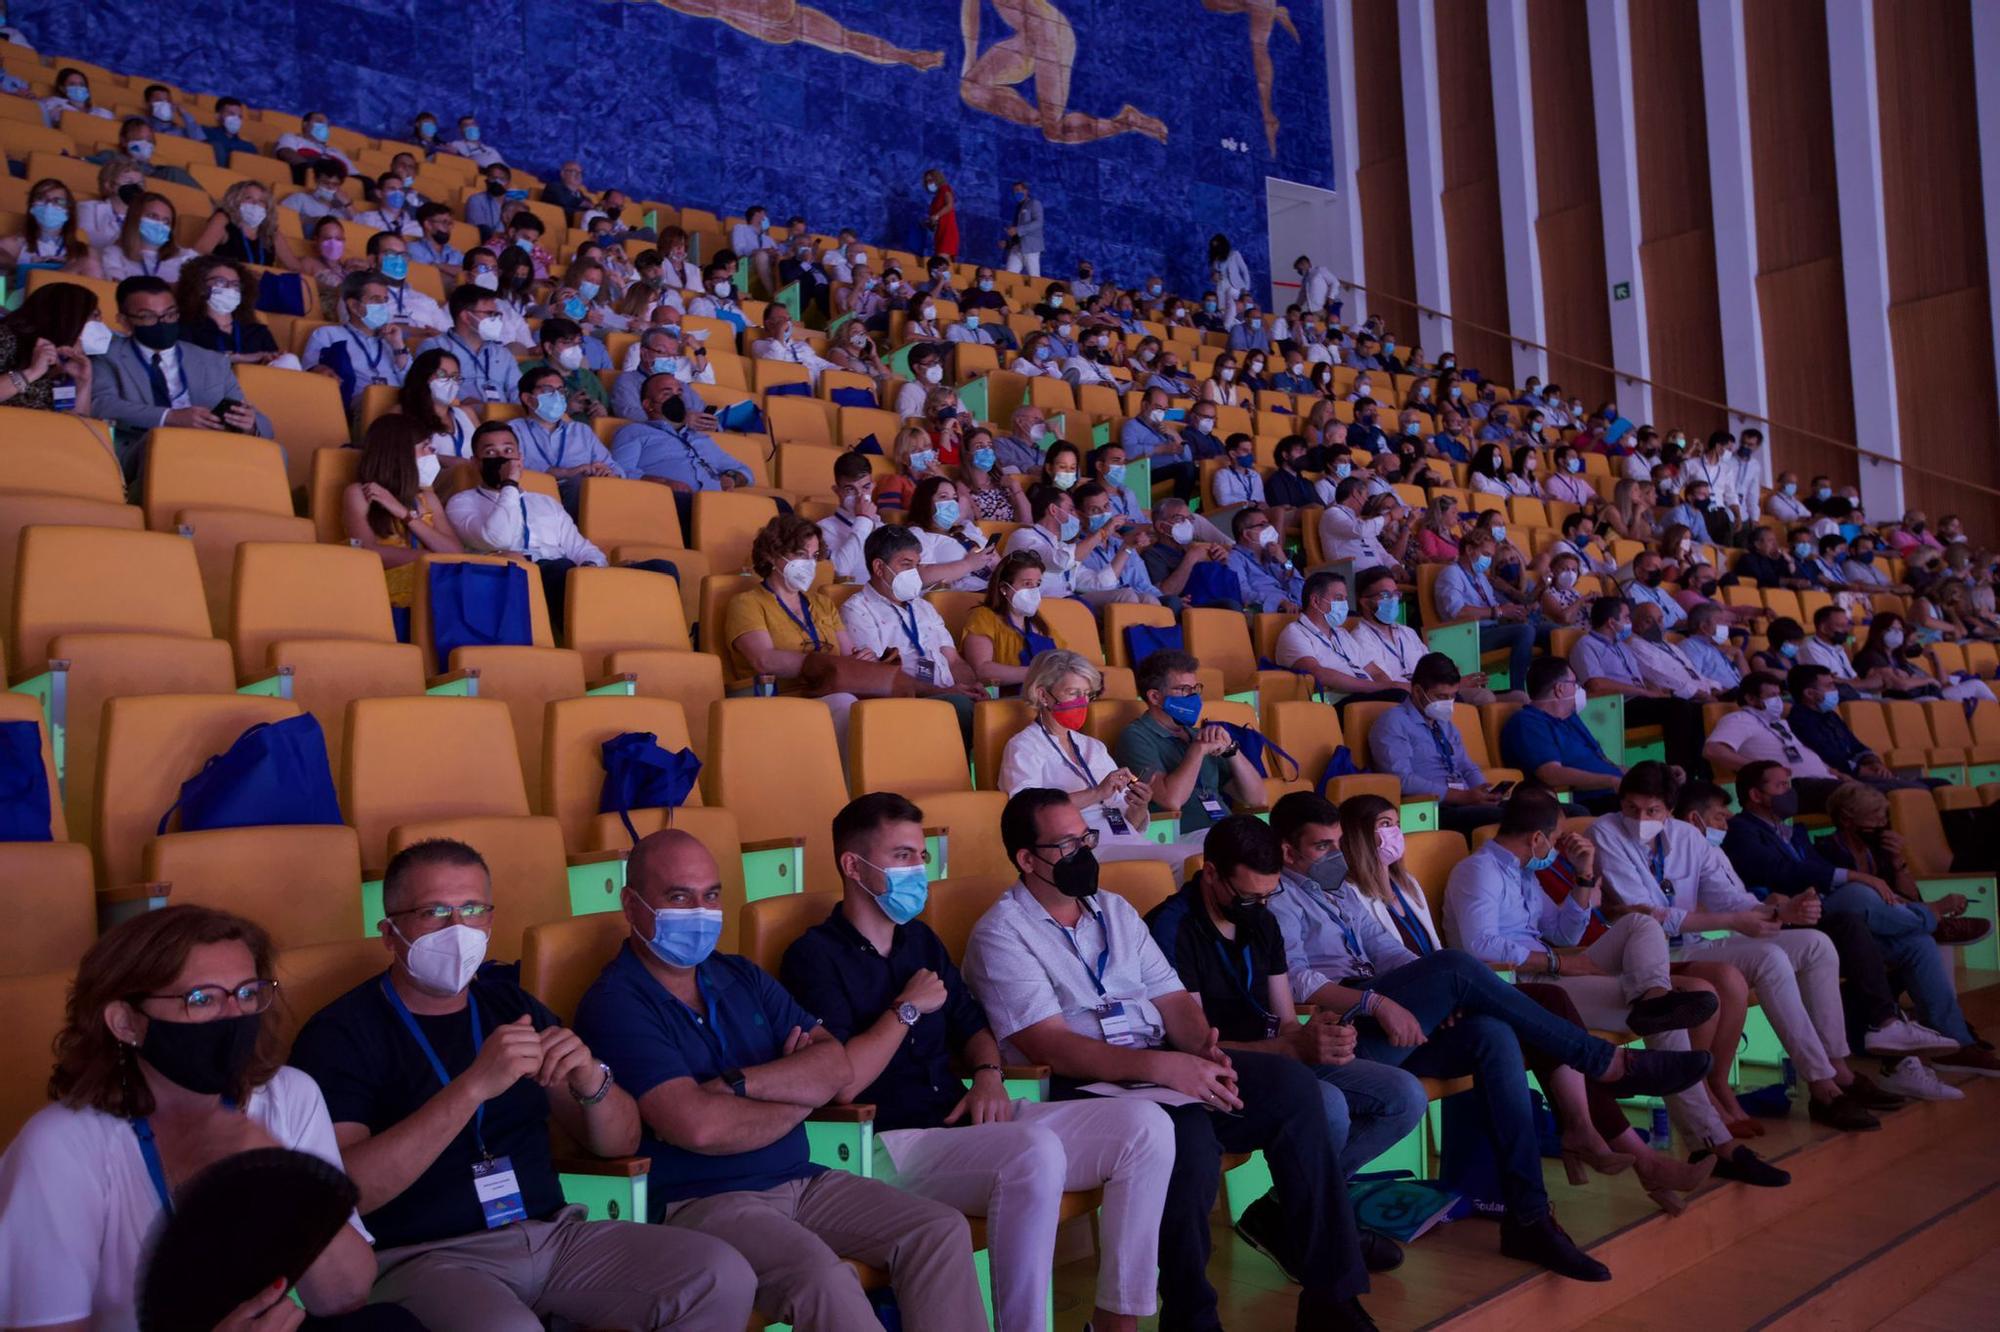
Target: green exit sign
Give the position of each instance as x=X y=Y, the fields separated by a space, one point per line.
x=1621 y=291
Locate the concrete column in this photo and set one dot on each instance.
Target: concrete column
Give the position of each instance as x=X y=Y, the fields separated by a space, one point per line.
x=1347 y=259
x=1725 y=82
x=1618 y=176
x=1857 y=157
x=1423 y=148
x=1520 y=191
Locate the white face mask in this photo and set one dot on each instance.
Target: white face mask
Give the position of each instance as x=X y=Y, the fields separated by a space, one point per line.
x=570 y=358
x=1775 y=705
x=95 y=340
x=907 y=585
x=721 y=289
x=1026 y=600
x=798 y=573
x=224 y=300
x=1648 y=828
x=930 y=312
x=1566 y=579
x=1722 y=633
x=442 y=963
x=444 y=390
x=1182 y=532
x=491 y=327
x=1892 y=638
x=1438 y=709
x=1226 y=373
x=933 y=374
x=487 y=279
x=428 y=468
x=252 y=214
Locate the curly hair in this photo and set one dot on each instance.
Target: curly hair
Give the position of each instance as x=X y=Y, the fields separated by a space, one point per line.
x=782 y=537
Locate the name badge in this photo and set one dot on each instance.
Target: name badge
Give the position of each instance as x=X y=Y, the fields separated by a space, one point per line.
x=1116 y=821
x=499 y=1192
x=1121 y=1026
x=1213 y=807
x=926 y=671
x=492 y=392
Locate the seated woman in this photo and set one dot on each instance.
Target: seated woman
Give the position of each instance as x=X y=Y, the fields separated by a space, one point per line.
x=1053 y=751
x=1558 y=600
x=1006 y=631
x=1062 y=465
x=1523 y=477
x=218 y=303
x=1958 y=612
x=1677 y=547
x=327 y=240
x=1437 y=531
x=146 y=243
x=245 y=229
x=120 y=182
x=430 y=395
x=855 y=350
x=48 y=240
x=1423 y=397
x=1254 y=377
x=391 y=509
x=1595 y=1132
x=46 y=346
x=1037 y=357
x=168 y=1061
x=989 y=496
x=1785 y=636
x=1890 y=647
x=1489 y=472
x=1221 y=387
x=1630 y=513
x=1511 y=565
x=955 y=552
x=916 y=458
x=772 y=629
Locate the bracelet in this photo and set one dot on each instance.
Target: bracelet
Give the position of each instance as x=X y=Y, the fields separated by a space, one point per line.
x=20 y=381
x=977 y=1069
x=1367 y=1003
x=1555 y=963
x=603 y=1088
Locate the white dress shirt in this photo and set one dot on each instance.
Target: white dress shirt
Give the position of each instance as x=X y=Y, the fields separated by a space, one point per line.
x=1346 y=536
x=409 y=306
x=795 y=351
x=1664 y=666
x=1816 y=651
x=1335 y=649
x=844 y=537
x=1760 y=737
x=492 y=521
x=1061 y=575
x=1396 y=648
x=1678 y=870
x=1032 y=758
x=876 y=623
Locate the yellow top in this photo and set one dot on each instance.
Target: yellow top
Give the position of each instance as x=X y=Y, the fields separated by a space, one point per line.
x=759 y=609
x=1008 y=645
x=402 y=578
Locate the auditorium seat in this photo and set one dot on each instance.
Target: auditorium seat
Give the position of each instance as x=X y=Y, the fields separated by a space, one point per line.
x=771 y=925
x=572 y=760
x=609 y=610
x=72 y=580
x=188 y=471
x=726 y=522
x=304 y=409
x=692 y=679
x=410 y=760
x=34 y=1004
x=527 y=680
x=332 y=471
x=995 y=721
x=216 y=532
x=50 y=898
x=24 y=508
x=301 y=882
x=291 y=592
x=560 y=959
x=1120 y=616
x=53 y=453
x=314 y=975
x=523 y=853
x=907 y=745
x=774 y=763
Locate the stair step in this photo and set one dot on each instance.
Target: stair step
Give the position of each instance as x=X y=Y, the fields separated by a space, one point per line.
x=1963 y=1299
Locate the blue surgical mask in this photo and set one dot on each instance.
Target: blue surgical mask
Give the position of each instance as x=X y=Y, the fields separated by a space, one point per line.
x=575 y=308
x=1791 y=487
x=983 y=459
x=1499 y=531
x=471 y=133
x=1788 y=649
x=155 y=232
x=550 y=405
x=1070 y=527
x=1829 y=700
x=944 y=514
x=1540 y=863
x=986 y=284
x=1715 y=836
x=685 y=936
x=525 y=244
x=392 y=200
x=78 y=93
x=906 y=888
x=1183 y=708
x=395 y=267
x=320 y=131
x=589 y=290
x=1098 y=520
x=1114 y=474
x=662 y=365
x=1481 y=563
x=1574 y=464
x=1045 y=353
x=427 y=128
x=1342 y=471
x=50 y=215
x=375 y=314
x=1336 y=612
x=923 y=460
x=1624 y=632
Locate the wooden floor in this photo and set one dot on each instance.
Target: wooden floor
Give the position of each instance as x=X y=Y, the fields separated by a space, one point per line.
x=1895 y=1229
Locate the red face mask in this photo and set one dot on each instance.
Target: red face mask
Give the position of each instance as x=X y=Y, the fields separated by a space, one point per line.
x=1071 y=715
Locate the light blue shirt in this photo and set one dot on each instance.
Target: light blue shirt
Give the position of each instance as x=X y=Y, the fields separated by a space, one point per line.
x=488 y=375
x=1458 y=588
x=1134 y=576
x=444 y=256
x=1671 y=613
x=1406 y=742
x=1238 y=485
x=1596 y=657
x=1708 y=659
x=678 y=453
x=1495 y=909
x=1330 y=936
x=569 y=444
x=1265 y=586
x=1140 y=439
x=1695 y=520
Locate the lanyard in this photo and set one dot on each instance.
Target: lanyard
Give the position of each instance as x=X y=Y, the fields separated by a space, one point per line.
x=694 y=455
x=1103 y=958
x=1328 y=901
x=236 y=336
x=1249 y=978
x=1785 y=739
x=1660 y=867
x=1386 y=641
x=1443 y=745
x=1412 y=923
x=549 y=447
x=527 y=532
x=150 y=1150
x=909 y=628
x=458 y=434
x=381 y=350
x=437 y=1065
x=478 y=358
x=252 y=253
x=1080 y=769
x=807 y=625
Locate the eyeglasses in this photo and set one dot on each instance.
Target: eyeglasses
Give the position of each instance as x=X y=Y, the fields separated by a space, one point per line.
x=145 y=318
x=1069 y=846
x=204 y=1003
x=1185 y=691
x=441 y=912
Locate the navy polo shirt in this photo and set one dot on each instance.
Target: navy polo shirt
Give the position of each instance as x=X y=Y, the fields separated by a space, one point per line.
x=1532 y=737
x=837 y=971
x=1230 y=976
x=647 y=1036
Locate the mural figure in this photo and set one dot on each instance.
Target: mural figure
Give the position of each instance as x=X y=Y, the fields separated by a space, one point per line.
x=1262 y=15
x=783 y=22
x=1042 y=46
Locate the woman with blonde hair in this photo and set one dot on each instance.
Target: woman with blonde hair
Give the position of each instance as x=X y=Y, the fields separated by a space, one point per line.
x=245 y=229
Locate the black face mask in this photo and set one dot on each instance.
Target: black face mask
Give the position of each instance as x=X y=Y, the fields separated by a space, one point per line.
x=157 y=337
x=1785 y=806
x=129 y=194
x=204 y=1057
x=493 y=472
x=1654 y=577
x=1076 y=875
x=495 y=188
x=674 y=410
x=1709 y=588
x=1244 y=914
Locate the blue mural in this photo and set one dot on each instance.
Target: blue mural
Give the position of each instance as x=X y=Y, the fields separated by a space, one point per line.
x=1143 y=125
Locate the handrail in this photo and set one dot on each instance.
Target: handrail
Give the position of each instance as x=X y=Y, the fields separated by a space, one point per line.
x=1848 y=446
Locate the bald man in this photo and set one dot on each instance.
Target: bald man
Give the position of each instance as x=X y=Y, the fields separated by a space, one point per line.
x=726 y=1066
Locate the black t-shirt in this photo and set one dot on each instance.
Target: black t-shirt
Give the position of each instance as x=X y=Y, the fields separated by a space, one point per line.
x=1230 y=975
x=242 y=339
x=373 y=1073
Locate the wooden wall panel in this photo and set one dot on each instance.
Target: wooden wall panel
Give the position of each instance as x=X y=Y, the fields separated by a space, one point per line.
x=1801 y=297
x=1382 y=174
x=1570 y=228
x=1676 y=218
x=1471 y=198
x=1940 y=320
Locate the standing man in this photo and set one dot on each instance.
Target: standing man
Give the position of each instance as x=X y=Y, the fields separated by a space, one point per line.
x=1024 y=237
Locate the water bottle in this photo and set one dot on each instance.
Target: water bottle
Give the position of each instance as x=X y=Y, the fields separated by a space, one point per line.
x=1789 y=1074
x=1662 y=1137
x=765 y=686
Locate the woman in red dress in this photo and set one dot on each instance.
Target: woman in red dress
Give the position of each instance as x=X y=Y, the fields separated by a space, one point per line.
x=943 y=220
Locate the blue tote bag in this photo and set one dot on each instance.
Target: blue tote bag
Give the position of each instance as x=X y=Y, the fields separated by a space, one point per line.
x=24 y=784
x=478 y=605
x=275 y=773
x=641 y=773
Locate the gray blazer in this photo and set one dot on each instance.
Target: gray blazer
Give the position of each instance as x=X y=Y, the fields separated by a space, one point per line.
x=1028 y=225
x=121 y=392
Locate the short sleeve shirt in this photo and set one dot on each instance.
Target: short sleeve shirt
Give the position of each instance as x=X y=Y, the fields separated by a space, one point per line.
x=1232 y=976
x=758 y=609
x=1148 y=749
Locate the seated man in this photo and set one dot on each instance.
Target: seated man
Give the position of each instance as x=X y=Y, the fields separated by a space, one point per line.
x=1681 y=878
x=665 y=447
x=432 y=244
x=1646 y=587
x=1757 y=732
x=136 y=140
x=1121 y=554
x=1268 y=580
x=1419 y=741
x=1815 y=718
x=149 y=377
x=1604 y=662
x=321 y=197
x=1394 y=646
x=477 y=340
x=778 y=344
x=1705 y=642
x=1180 y=545
x=1549 y=741
x=751 y=239
x=407 y=305
x=1354 y=527
x=1186 y=763
x=658 y=352
x=1020 y=453
x=1126 y=1018
x=394 y=210
x=560 y=345
x=1332 y=951
x=1776 y=855
x=441 y=1079
x=482 y=210
x=553 y=442
x=1662 y=663
x=1151 y=435
x=1464 y=592
x=1057 y=537
x=1319 y=645
x=365 y=348
x=726 y=1066
x=844 y=532
x=886 y=987
x=1765 y=564
x=889 y=614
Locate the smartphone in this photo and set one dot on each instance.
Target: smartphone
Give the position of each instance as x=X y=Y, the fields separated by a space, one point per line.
x=1505 y=788
x=222 y=410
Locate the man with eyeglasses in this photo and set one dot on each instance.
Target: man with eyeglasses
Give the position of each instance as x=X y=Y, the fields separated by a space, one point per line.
x=441 y=1081
x=1069 y=977
x=149 y=377
x=1188 y=764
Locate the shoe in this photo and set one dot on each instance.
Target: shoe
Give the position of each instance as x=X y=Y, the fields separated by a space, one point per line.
x=1842 y=1112
x=1659 y=1072
x=1745 y=1128
x=1379 y=1253
x=1745 y=1167
x=1578 y=1163
x=1322 y=1313
x=1670 y=1181
x=1261 y=1226
x=1969 y=1059
x=1958 y=931
x=1913 y=1078
x=1872 y=1096
x=1545 y=1242
x=1902 y=1036
x=1676 y=1010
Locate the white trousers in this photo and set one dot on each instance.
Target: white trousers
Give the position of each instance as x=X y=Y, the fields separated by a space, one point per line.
x=1016 y=262
x=1015 y=1174
x=1797 y=978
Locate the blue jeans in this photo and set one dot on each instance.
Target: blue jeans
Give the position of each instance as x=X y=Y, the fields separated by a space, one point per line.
x=1519 y=641
x=1904 y=935
x=1370 y=1107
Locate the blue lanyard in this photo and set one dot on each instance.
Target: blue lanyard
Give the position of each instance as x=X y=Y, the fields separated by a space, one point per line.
x=1103 y=958
x=458 y=440
x=694 y=456
x=527 y=532
x=236 y=336
x=1412 y=923
x=807 y=626
x=552 y=453
x=437 y=1065
x=253 y=254
x=381 y=349
x=1443 y=745
x=1327 y=901
x=909 y=628
x=1660 y=867
x=1249 y=979
x=150 y=1150
x=1081 y=769
x=1388 y=642
x=478 y=358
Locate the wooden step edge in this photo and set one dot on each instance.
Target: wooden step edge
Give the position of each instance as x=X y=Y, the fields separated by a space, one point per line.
x=1657 y=1248
x=1897 y=1271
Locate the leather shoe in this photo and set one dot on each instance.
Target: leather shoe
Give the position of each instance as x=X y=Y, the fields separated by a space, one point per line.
x=1745 y=1167
x=1543 y=1241
x=1872 y=1095
x=1842 y=1112
x=1659 y=1072
x=1379 y=1253
x=1323 y=1313
x=1958 y=931
x=1676 y=1010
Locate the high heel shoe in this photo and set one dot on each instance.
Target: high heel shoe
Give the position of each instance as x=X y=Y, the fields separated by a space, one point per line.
x=1578 y=1162
x=1671 y=1180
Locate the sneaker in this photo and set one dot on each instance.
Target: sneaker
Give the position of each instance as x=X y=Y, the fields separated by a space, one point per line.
x=1913 y=1078
x=1958 y=931
x=1904 y=1036
x=1545 y=1242
x=1969 y=1059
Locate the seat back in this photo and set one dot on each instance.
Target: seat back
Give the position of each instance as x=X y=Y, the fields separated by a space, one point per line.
x=615 y=512
x=995 y=721
x=611 y=609
x=1466 y=718
x=772 y=924
x=19 y=509
x=51 y=904
x=1143 y=883
x=1428 y=857
x=725 y=522
x=332 y=472
x=217 y=533
x=692 y=679
x=560 y=959
x=1075 y=626
x=523 y=855
x=420 y=603
x=1221 y=639
x=572 y=760
x=329 y=673
x=1306 y=730
x=1914 y=815
x=55 y=453
x=907 y=745
x=195 y=468
x=314 y=975
x=302 y=883
x=1948 y=724
x=292 y=590
x=527 y=680
x=102 y=579
x=150 y=745
x=711 y=825
x=774 y=763
x=1907 y=726
x=1869 y=723
x=1358 y=721
x=35 y=1004
x=412 y=760
x=305 y=412
x=956 y=904
x=1120 y=616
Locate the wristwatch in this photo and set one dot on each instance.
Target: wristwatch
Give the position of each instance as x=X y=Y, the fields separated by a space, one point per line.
x=603 y=1088
x=734 y=1077
x=907 y=1014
